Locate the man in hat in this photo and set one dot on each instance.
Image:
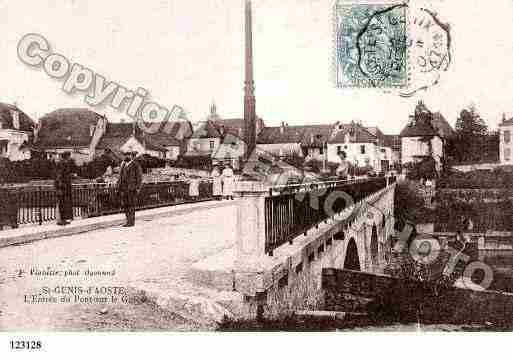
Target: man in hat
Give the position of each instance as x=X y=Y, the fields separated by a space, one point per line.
x=63 y=177
x=129 y=186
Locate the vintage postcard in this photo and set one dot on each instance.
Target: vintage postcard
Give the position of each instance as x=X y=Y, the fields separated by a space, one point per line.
x=255 y=166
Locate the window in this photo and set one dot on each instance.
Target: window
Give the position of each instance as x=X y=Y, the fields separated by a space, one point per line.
x=507 y=154
x=212 y=144
x=362 y=149
x=339 y=149
x=321 y=151
x=507 y=136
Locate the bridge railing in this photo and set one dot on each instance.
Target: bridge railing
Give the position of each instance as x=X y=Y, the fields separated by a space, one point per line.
x=293 y=210
x=37 y=205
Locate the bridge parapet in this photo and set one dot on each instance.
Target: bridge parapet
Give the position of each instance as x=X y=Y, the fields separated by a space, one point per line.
x=277 y=215
x=290 y=279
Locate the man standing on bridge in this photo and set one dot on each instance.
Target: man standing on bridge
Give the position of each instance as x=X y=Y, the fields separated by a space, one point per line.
x=129 y=186
x=63 y=177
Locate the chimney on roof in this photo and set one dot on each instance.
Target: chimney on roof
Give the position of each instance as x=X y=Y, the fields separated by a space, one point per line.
x=282 y=127
x=91 y=130
x=503 y=117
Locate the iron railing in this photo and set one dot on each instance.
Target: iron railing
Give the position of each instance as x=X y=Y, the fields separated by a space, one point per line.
x=295 y=209
x=37 y=205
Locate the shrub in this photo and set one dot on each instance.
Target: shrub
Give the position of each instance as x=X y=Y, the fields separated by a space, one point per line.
x=423 y=169
x=24 y=171
x=96 y=168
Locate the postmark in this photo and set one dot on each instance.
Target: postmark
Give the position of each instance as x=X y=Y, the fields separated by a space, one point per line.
x=429 y=46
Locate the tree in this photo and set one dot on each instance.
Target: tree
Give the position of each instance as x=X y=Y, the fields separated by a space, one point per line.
x=470 y=122
x=470 y=142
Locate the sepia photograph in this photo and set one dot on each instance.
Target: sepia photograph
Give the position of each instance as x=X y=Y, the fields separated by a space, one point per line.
x=255 y=166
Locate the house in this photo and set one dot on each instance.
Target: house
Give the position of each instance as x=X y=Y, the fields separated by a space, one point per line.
x=283 y=141
x=127 y=137
x=87 y=134
x=393 y=142
x=386 y=153
x=161 y=140
x=308 y=142
x=16 y=133
x=220 y=140
x=505 y=142
x=358 y=144
x=425 y=136
x=73 y=130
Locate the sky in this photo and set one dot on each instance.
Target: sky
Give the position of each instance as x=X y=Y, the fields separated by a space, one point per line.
x=191 y=52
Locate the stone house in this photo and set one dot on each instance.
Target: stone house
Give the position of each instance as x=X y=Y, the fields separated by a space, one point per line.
x=360 y=146
x=425 y=136
x=16 y=133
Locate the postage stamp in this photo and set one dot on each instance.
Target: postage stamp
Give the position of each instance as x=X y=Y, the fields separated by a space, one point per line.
x=371 y=44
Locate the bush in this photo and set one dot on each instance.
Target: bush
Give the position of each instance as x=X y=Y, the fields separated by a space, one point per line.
x=423 y=169
x=196 y=162
x=479 y=179
x=96 y=168
x=24 y=171
x=148 y=162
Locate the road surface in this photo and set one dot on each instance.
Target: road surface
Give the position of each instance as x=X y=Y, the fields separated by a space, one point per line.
x=110 y=263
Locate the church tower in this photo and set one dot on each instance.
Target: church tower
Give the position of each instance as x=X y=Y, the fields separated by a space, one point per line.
x=249 y=86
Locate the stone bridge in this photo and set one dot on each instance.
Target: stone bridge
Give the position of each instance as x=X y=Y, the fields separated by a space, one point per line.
x=288 y=278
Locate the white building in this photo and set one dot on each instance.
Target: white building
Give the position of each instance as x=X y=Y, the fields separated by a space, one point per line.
x=16 y=133
x=359 y=145
x=506 y=141
x=424 y=137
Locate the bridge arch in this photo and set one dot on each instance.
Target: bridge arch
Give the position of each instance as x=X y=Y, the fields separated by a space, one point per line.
x=352 y=261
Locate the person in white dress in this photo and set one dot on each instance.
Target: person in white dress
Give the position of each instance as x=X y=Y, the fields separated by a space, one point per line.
x=217 y=188
x=194 y=183
x=228 y=178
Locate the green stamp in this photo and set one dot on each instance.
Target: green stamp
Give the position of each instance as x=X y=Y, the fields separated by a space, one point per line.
x=371 y=45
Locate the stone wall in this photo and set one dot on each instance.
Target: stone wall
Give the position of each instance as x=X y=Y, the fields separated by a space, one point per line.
x=296 y=284
x=447 y=305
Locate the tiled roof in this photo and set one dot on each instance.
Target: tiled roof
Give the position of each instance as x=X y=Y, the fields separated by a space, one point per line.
x=376 y=132
x=313 y=135
x=442 y=126
x=118 y=134
x=234 y=126
x=427 y=123
x=419 y=128
x=67 y=128
x=6 y=120
x=357 y=134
